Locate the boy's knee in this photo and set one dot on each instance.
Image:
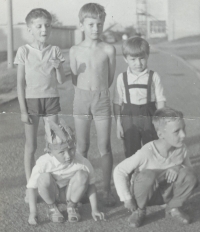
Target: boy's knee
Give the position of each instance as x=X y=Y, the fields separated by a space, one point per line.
x=31 y=147
x=83 y=147
x=105 y=150
x=44 y=180
x=82 y=177
x=187 y=175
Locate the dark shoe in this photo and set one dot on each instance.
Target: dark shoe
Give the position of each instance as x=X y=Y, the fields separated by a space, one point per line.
x=137 y=218
x=179 y=216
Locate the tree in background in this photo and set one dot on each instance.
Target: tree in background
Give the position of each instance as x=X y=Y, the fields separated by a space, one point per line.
x=55 y=21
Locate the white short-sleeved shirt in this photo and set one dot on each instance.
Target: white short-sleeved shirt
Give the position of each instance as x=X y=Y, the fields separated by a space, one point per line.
x=40 y=75
x=61 y=172
x=146 y=158
x=138 y=96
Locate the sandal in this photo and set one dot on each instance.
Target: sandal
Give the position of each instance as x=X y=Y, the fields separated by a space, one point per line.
x=108 y=199
x=73 y=214
x=55 y=215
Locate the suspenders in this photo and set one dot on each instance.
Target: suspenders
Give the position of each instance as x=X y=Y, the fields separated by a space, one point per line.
x=148 y=87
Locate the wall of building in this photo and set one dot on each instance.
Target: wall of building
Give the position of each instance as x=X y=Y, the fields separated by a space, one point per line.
x=183 y=18
x=64 y=37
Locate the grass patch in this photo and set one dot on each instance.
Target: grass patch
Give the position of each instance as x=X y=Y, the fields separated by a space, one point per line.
x=8 y=78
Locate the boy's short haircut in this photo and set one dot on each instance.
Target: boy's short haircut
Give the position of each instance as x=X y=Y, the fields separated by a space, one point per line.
x=135 y=47
x=37 y=13
x=92 y=10
x=165 y=115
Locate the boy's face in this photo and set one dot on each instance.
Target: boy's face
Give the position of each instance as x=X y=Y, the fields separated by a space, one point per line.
x=92 y=27
x=65 y=155
x=136 y=64
x=174 y=133
x=40 y=29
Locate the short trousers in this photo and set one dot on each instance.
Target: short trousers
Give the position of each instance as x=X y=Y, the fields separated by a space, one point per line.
x=92 y=104
x=43 y=106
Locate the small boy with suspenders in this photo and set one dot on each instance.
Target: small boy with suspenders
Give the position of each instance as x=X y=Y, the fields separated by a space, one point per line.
x=138 y=94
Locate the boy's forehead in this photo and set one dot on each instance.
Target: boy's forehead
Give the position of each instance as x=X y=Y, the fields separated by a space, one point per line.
x=40 y=20
x=90 y=19
x=175 y=124
x=138 y=56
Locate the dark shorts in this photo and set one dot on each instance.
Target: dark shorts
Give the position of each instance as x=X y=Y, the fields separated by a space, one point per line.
x=43 y=106
x=92 y=104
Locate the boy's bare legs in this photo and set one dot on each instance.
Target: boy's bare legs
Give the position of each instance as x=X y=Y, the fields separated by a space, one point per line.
x=30 y=145
x=78 y=185
x=82 y=127
x=31 y=142
x=49 y=192
x=47 y=188
x=103 y=128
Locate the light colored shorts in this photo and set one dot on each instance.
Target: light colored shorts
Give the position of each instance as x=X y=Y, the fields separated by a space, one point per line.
x=90 y=105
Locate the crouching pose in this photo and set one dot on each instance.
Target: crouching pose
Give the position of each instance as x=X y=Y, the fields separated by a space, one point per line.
x=162 y=172
x=61 y=177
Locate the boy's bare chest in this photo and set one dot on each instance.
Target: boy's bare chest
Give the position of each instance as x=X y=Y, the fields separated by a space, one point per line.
x=92 y=57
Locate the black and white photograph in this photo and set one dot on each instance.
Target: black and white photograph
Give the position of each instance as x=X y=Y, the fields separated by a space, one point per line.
x=99 y=115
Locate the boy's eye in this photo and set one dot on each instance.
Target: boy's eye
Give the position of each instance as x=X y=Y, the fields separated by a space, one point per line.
x=38 y=26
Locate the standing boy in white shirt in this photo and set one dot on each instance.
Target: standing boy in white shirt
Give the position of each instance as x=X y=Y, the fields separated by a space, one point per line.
x=163 y=172
x=39 y=72
x=138 y=93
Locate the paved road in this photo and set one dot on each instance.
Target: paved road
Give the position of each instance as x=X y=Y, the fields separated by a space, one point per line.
x=182 y=91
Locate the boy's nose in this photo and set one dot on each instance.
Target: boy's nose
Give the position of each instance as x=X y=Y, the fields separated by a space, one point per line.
x=95 y=27
x=138 y=62
x=182 y=134
x=44 y=28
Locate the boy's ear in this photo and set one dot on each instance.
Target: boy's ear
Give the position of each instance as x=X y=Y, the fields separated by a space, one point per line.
x=81 y=26
x=29 y=29
x=160 y=134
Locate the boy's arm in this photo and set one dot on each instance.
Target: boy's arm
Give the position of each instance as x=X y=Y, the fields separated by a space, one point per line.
x=21 y=83
x=112 y=64
x=121 y=175
x=73 y=65
x=60 y=74
x=159 y=92
x=160 y=104
x=32 y=194
x=117 y=113
x=93 y=201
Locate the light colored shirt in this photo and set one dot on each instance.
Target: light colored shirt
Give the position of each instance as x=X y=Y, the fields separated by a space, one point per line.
x=40 y=75
x=138 y=96
x=61 y=172
x=146 y=158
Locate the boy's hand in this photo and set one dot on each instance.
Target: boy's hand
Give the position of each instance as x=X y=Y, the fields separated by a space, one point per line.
x=130 y=204
x=25 y=118
x=33 y=219
x=55 y=63
x=120 y=131
x=96 y=214
x=172 y=174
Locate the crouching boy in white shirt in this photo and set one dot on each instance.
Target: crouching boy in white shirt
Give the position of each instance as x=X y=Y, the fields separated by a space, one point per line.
x=162 y=171
x=61 y=177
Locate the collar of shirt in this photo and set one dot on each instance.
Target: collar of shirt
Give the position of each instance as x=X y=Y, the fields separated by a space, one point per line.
x=134 y=77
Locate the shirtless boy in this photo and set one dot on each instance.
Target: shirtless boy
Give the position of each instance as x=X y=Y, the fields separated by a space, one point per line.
x=93 y=65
